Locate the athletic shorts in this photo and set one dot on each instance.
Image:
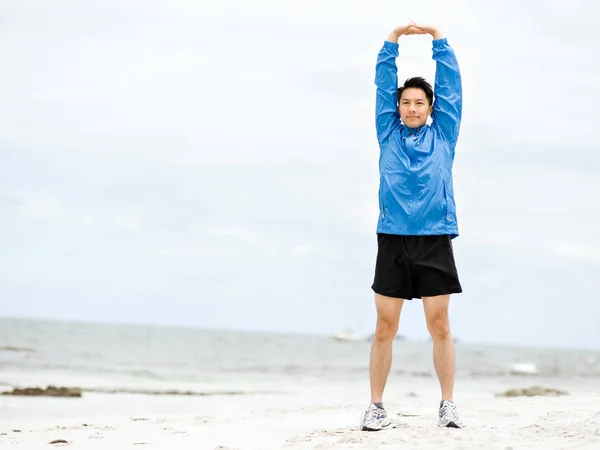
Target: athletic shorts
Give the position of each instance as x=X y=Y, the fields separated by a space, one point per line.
x=415 y=266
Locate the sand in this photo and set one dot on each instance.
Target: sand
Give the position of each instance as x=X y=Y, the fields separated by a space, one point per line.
x=310 y=414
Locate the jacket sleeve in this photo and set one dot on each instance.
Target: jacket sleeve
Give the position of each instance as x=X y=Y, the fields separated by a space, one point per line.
x=386 y=80
x=447 y=107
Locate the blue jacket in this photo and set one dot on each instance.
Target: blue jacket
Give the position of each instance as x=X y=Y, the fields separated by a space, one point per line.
x=416 y=195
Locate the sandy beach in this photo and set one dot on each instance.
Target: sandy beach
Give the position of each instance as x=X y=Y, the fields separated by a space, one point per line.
x=309 y=414
x=192 y=196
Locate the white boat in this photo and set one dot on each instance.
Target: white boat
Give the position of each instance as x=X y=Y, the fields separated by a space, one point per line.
x=523 y=369
x=348 y=336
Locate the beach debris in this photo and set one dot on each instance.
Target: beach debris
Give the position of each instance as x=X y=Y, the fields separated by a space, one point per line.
x=53 y=391
x=138 y=419
x=16 y=431
x=174 y=392
x=58 y=441
x=533 y=392
x=411 y=394
x=12 y=348
x=50 y=391
x=534 y=425
x=203 y=419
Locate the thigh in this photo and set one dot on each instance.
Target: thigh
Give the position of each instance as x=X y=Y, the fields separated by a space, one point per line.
x=392 y=272
x=436 y=308
x=388 y=309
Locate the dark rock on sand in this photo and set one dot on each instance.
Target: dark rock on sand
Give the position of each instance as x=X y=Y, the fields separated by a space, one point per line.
x=50 y=391
x=12 y=348
x=171 y=392
x=533 y=392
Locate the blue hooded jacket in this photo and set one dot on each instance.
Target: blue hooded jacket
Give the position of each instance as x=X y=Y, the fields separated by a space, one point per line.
x=416 y=195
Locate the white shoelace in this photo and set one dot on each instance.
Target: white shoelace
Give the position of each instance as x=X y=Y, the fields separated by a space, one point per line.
x=374 y=414
x=448 y=411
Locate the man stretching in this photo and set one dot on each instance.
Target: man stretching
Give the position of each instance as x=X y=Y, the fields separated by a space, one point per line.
x=417 y=219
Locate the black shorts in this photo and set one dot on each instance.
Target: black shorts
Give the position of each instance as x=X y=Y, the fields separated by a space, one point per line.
x=415 y=266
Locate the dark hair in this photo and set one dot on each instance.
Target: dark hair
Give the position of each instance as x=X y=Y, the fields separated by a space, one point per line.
x=419 y=83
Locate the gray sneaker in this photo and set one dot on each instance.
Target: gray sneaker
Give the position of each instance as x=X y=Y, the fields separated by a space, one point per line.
x=374 y=419
x=449 y=415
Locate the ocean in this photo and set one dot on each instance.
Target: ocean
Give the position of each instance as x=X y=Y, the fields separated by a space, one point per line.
x=107 y=355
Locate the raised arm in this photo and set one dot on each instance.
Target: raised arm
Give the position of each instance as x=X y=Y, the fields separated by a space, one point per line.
x=447 y=107
x=386 y=80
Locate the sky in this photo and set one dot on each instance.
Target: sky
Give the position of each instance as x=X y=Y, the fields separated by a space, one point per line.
x=214 y=164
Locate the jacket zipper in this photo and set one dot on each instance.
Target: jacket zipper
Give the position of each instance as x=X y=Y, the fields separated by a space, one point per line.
x=414 y=203
x=411 y=221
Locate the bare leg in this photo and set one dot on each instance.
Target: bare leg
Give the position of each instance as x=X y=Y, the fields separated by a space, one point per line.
x=388 y=317
x=438 y=324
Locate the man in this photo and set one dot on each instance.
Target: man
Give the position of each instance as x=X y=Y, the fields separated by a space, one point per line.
x=417 y=219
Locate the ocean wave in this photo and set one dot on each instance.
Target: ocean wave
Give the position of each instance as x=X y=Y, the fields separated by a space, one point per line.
x=168 y=374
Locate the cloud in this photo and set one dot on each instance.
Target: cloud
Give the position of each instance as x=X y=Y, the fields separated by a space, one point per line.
x=235 y=231
x=177 y=82
x=46 y=215
x=303 y=248
x=47 y=209
x=183 y=150
x=127 y=222
x=582 y=252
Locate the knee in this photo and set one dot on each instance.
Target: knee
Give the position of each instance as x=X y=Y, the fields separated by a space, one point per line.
x=439 y=327
x=386 y=329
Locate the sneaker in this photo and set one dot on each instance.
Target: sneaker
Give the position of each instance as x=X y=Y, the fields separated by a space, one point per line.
x=449 y=415
x=374 y=419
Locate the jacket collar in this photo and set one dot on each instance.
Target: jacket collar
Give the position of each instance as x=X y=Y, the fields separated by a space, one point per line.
x=407 y=131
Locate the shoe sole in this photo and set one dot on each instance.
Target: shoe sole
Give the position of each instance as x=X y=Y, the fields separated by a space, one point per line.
x=450 y=425
x=376 y=429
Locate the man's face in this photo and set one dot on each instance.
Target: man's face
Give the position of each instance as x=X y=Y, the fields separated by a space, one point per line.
x=414 y=107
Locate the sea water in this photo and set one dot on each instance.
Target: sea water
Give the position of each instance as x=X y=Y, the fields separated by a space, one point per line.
x=140 y=356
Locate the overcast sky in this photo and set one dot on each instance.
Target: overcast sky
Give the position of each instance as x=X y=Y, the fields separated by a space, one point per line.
x=215 y=163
